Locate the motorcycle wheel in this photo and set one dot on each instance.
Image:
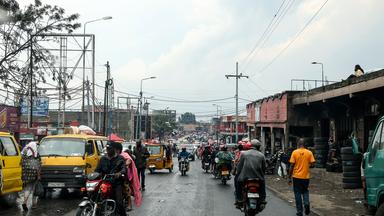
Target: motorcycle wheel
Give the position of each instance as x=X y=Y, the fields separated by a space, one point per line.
x=247 y=211
x=85 y=211
x=224 y=181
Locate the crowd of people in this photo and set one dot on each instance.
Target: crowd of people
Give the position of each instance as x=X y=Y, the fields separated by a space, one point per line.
x=128 y=168
x=250 y=163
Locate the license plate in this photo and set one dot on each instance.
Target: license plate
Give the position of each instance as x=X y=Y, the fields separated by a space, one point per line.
x=225 y=173
x=56 y=184
x=152 y=166
x=206 y=164
x=253 y=195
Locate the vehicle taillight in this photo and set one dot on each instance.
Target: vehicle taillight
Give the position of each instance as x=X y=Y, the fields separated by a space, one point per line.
x=253 y=189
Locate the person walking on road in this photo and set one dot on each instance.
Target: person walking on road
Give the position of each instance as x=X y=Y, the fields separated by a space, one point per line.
x=31 y=167
x=301 y=161
x=141 y=154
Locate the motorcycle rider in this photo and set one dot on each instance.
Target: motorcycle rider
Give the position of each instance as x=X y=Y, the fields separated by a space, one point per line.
x=250 y=166
x=113 y=163
x=205 y=155
x=225 y=158
x=213 y=162
x=184 y=154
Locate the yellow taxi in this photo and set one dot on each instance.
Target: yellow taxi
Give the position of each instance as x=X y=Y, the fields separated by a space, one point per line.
x=67 y=159
x=10 y=169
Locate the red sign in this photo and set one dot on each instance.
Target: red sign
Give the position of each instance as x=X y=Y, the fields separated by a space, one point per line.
x=9 y=118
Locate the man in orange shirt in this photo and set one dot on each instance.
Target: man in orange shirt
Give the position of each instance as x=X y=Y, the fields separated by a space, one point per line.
x=301 y=160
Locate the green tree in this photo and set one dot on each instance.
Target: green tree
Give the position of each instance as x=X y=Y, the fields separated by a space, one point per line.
x=187 y=118
x=19 y=28
x=162 y=125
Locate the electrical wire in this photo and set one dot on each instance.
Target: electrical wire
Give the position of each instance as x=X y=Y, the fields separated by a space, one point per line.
x=293 y=40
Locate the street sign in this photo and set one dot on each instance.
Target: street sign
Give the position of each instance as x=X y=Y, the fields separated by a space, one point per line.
x=40 y=106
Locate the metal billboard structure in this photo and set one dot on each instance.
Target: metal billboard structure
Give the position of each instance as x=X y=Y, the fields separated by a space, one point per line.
x=74 y=54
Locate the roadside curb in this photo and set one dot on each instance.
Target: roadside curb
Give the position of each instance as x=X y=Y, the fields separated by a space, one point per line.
x=280 y=195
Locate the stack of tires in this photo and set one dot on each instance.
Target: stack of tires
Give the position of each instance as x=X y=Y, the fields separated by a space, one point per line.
x=351 y=168
x=321 y=151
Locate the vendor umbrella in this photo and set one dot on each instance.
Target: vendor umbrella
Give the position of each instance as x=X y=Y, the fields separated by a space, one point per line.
x=114 y=137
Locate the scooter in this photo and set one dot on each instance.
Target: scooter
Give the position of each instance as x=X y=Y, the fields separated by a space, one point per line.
x=252 y=204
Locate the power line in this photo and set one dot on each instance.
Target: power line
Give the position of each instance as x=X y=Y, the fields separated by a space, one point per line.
x=271 y=28
x=294 y=39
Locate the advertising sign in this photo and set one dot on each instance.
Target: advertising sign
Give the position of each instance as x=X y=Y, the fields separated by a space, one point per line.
x=39 y=108
x=9 y=118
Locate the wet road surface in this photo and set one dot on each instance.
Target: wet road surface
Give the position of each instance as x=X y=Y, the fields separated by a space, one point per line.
x=169 y=194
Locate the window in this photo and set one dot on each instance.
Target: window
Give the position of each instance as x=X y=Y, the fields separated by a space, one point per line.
x=62 y=147
x=89 y=147
x=376 y=142
x=7 y=146
x=100 y=146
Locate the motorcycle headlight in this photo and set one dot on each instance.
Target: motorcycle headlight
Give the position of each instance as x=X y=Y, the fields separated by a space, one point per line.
x=79 y=170
x=91 y=186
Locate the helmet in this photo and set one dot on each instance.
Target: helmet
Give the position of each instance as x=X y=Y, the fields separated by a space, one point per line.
x=256 y=143
x=224 y=147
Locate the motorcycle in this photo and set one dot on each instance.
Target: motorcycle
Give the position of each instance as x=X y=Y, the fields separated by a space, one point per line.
x=252 y=204
x=224 y=174
x=183 y=166
x=207 y=163
x=98 y=200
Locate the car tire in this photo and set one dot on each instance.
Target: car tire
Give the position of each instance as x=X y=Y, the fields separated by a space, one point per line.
x=346 y=150
x=351 y=168
x=352 y=179
x=352 y=174
x=351 y=163
x=350 y=157
x=352 y=185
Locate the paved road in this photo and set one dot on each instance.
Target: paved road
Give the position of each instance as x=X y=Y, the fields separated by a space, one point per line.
x=196 y=194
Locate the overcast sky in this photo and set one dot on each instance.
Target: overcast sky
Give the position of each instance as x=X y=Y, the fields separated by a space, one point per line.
x=189 y=45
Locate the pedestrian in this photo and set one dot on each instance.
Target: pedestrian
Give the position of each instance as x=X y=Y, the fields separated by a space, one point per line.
x=301 y=161
x=132 y=182
x=31 y=167
x=141 y=153
x=358 y=71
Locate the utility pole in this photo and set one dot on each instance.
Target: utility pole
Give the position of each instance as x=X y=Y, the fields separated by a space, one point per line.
x=88 y=111
x=108 y=82
x=31 y=85
x=237 y=76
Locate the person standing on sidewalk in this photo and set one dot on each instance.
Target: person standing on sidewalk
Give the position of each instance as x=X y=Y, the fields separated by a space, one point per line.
x=141 y=154
x=301 y=160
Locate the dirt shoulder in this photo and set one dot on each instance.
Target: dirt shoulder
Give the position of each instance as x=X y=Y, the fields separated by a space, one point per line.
x=327 y=196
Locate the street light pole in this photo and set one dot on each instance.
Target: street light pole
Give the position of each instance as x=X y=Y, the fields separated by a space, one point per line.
x=322 y=72
x=93 y=74
x=141 y=105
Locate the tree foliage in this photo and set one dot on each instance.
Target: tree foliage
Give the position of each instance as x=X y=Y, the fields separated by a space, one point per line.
x=20 y=29
x=187 y=118
x=163 y=124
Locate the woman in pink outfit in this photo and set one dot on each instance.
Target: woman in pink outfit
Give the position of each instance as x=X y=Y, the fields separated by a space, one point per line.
x=133 y=179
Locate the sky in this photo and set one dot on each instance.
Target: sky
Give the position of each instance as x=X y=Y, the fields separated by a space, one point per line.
x=190 y=46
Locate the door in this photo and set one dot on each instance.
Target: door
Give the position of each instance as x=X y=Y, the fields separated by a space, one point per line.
x=92 y=158
x=10 y=163
x=375 y=165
